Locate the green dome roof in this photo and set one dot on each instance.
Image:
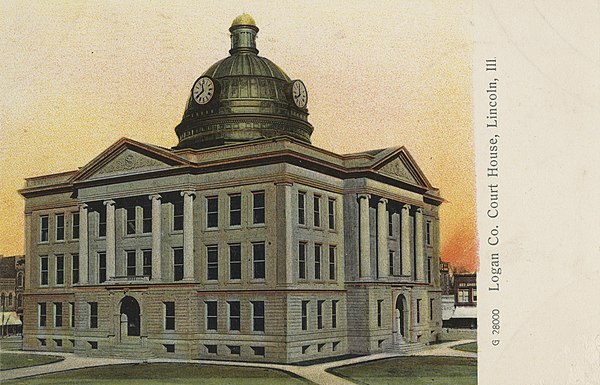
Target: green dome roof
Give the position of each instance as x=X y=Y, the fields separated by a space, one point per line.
x=251 y=99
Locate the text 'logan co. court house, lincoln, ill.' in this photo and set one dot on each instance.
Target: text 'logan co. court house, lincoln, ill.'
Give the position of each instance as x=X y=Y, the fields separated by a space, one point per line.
x=243 y=242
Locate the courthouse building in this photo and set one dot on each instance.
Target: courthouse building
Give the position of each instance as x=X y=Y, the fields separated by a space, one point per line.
x=243 y=242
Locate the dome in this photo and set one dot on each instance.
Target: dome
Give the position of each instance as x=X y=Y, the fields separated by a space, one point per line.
x=243 y=97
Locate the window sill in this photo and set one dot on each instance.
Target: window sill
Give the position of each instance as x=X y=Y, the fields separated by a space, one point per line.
x=59 y=241
x=43 y=243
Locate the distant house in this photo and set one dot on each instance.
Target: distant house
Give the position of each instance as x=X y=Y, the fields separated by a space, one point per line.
x=459 y=309
x=12 y=270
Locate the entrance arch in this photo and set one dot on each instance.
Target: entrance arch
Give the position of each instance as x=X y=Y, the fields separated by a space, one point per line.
x=130 y=317
x=401 y=317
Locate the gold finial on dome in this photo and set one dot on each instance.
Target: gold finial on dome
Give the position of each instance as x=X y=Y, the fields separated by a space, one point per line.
x=243 y=19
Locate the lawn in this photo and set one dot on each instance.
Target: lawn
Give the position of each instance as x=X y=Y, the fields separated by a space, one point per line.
x=164 y=373
x=16 y=360
x=424 y=370
x=471 y=347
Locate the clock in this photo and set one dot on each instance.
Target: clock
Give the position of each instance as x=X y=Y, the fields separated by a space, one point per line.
x=299 y=94
x=203 y=90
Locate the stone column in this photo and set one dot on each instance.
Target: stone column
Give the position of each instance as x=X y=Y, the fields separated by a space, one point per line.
x=83 y=244
x=289 y=246
x=365 y=236
x=188 y=234
x=405 y=240
x=110 y=239
x=382 y=242
x=419 y=245
x=156 y=236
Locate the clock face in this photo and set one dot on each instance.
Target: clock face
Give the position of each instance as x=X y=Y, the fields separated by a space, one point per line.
x=204 y=90
x=299 y=94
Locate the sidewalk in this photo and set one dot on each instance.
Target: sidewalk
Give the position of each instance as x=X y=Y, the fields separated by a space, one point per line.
x=315 y=373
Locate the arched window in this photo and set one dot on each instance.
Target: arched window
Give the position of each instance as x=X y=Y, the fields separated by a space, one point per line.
x=19 y=300
x=2 y=297
x=10 y=298
x=20 y=279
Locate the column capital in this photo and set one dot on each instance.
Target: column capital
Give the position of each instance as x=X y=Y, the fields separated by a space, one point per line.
x=109 y=202
x=188 y=193
x=364 y=196
x=406 y=207
x=154 y=196
x=83 y=206
x=419 y=210
x=383 y=201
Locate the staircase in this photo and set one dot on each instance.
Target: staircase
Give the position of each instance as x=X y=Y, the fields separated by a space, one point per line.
x=407 y=349
x=131 y=350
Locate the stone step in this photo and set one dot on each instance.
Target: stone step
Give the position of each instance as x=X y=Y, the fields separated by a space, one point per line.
x=407 y=348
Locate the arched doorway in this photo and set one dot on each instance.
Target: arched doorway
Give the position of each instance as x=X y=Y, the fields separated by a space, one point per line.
x=401 y=317
x=130 y=317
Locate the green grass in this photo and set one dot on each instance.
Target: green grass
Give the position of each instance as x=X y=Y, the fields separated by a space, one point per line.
x=424 y=370
x=471 y=347
x=164 y=374
x=16 y=360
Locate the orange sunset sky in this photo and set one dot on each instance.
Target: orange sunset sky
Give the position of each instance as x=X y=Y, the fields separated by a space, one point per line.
x=77 y=77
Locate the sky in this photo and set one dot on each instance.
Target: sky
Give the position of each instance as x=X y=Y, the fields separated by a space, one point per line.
x=77 y=76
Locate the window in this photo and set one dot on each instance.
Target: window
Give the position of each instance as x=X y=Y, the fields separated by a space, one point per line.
x=258 y=207
x=258 y=256
x=234 y=315
x=212 y=212
x=211 y=349
x=212 y=272
x=418 y=310
x=379 y=310
x=170 y=348
x=147 y=263
x=390 y=223
x=147 y=218
x=75 y=225
x=305 y=315
x=474 y=292
x=130 y=257
x=211 y=315
x=334 y=345
x=57 y=314
x=317 y=211
x=44 y=270
x=305 y=349
x=60 y=227
x=320 y=314
x=93 y=344
x=320 y=347
x=60 y=269
x=431 y=309
x=19 y=300
x=331 y=213
x=332 y=264
x=178 y=215
x=44 y=228
x=101 y=267
x=258 y=350
x=58 y=343
x=334 y=314
x=302 y=260
x=93 y=315
x=42 y=341
x=463 y=295
x=235 y=210
x=75 y=268
x=235 y=350
x=130 y=221
x=428 y=233
x=102 y=223
x=258 y=316
x=317 y=261
x=169 y=315
x=391 y=256
x=429 y=270
x=235 y=261
x=72 y=313
x=302 y=208
x=10 y=299
x=42 y=314
x=177 y=264
x=20 y=279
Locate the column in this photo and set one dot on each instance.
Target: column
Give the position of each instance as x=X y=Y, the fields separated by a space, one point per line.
x=110 y=239
x=382 y=242
x=405 y=241
x=83 y=244
x=289 y=246
x=413 y=312
x=419 y=245
x=156 y=235
x=365 y=236
x=188 y=234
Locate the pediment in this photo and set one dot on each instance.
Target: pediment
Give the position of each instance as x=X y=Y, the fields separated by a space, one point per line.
x=398 y=169
x=129 y=161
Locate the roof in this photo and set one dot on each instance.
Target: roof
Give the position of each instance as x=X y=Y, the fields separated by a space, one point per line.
x=7 y=267
x=9 y=318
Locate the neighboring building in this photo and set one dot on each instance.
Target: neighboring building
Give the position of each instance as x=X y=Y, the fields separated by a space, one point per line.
x=12 y=283
x=464 y=301
x=446 y=278
x=244 y=242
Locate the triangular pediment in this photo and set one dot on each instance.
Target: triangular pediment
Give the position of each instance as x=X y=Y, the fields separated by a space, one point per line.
x=400 y=165
x=128 y=157
x=398 y=169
